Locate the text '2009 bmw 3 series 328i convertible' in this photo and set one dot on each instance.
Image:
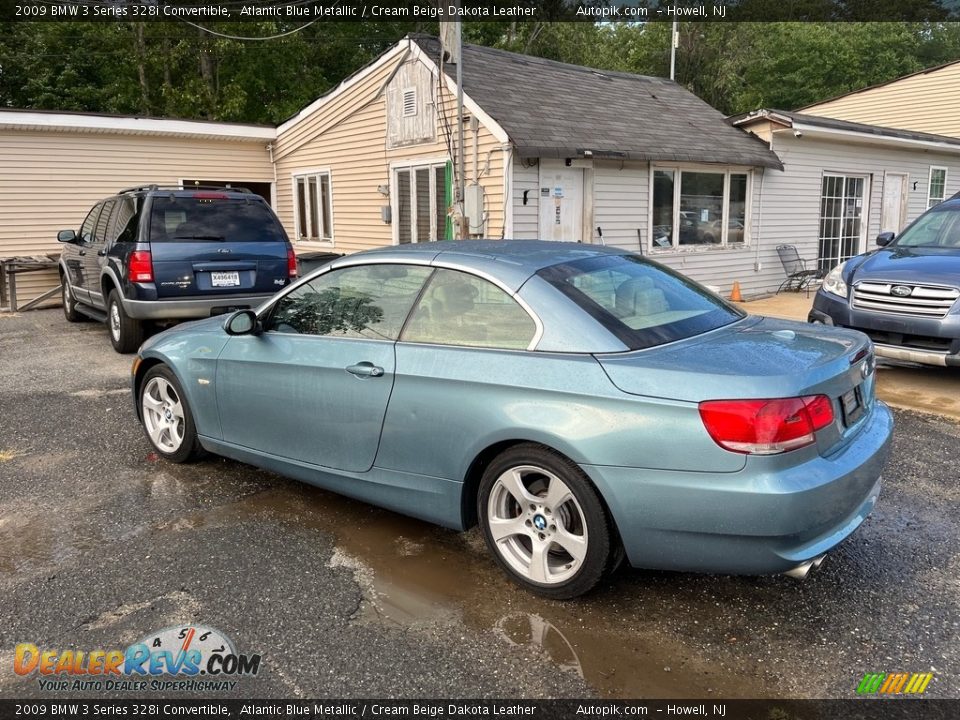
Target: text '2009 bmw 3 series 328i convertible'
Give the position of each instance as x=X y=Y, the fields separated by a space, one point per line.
x=582 y=404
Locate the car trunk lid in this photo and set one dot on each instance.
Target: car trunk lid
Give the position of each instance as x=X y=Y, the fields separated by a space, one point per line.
x=757 y=358
x=212 y=243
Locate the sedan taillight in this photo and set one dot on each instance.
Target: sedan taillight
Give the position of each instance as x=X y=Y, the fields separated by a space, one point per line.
x=291 y=263
x=140 y=266
x=766 y=427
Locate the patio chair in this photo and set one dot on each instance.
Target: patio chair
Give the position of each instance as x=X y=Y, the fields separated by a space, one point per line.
x=799 y=276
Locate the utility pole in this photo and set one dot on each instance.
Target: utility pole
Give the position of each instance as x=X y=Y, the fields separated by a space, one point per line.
x=461 y=156
x=674 y=44
x=451 y=37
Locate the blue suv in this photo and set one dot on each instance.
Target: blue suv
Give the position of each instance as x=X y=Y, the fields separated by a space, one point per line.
x=153 y=254
x=905 y=294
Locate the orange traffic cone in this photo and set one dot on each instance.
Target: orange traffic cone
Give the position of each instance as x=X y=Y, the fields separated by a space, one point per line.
x=735 y=295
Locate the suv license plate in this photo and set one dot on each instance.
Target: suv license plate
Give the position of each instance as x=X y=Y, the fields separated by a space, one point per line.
x=225 y=279
x=852 y=406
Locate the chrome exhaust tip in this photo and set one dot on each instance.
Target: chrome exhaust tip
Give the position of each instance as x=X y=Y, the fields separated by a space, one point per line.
x=804 y=568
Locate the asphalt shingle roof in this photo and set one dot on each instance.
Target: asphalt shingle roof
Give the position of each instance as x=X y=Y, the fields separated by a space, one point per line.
x=834 y=124
x=556 y=110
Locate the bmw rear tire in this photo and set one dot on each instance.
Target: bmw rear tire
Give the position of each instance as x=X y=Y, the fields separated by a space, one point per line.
x=544 y=522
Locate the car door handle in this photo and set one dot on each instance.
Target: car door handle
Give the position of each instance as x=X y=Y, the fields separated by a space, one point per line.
x=365 y=369
x=101 y=253
x=82 y=252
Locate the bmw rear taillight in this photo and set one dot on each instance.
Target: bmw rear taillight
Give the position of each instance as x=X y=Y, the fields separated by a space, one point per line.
x=766 y=427
x=140 y=266
x=291 y=263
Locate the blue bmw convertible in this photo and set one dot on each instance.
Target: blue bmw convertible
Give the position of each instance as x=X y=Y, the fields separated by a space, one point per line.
x=581 y=403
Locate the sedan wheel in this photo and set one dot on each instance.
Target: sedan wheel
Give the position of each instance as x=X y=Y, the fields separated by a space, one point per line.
x=544 y=522
x=166 y=416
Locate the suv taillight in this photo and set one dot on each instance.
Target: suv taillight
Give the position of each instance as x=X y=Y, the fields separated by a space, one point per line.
x=766 y=427
x=140 y=266
x=291 y=263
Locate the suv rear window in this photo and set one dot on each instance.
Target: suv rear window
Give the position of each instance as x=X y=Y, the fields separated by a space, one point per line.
x=212 y=219
x=639 y=302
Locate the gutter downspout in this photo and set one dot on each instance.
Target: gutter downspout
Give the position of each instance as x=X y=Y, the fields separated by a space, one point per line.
x=756 y=259
x=273 y=190
x=507 y=232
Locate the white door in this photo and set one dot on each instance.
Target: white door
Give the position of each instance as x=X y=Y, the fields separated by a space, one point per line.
x=894 y=213
x=561 y=203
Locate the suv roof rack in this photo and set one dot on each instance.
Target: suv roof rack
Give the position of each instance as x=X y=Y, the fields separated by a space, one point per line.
x=141 y=188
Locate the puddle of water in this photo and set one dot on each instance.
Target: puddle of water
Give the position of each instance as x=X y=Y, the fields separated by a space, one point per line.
x=411 y=573
x=30 y=542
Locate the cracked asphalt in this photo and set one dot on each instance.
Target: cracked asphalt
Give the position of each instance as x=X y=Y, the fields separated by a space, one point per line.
x=101 y=544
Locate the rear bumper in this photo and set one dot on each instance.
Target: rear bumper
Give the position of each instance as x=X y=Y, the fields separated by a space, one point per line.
x=752 y=522
x=894 y=337
x=187 y=308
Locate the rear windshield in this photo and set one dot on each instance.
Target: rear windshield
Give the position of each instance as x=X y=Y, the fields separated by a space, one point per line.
x=202 y=219
x=939 y=228
x=641 y=303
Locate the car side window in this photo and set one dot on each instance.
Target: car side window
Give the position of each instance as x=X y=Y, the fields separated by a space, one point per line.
x=364 y=301
x=100 y=232
x=128 y=220
x=461 y=309
x=86 y=230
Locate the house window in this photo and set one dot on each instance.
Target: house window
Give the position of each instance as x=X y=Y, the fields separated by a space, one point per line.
x=421 y=206
x=937 y=187
x=409 y=102
x=693 y=207
x=313 y=207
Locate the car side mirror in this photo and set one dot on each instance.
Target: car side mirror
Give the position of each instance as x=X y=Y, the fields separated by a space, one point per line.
x=243 y=322
x=66 y=236
x=885 y=238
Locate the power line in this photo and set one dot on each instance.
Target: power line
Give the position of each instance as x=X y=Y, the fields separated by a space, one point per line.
x=241 y=37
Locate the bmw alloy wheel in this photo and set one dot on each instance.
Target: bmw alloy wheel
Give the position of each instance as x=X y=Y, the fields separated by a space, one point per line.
x=537 y=525
x=163 y=414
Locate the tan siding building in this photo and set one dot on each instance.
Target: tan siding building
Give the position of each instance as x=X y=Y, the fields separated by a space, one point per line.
x=927 y=101
x=55 y=166
x=385 y=169
x=371 y=163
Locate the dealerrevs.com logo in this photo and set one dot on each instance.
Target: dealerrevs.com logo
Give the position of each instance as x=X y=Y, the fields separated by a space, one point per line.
x=189 y=658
